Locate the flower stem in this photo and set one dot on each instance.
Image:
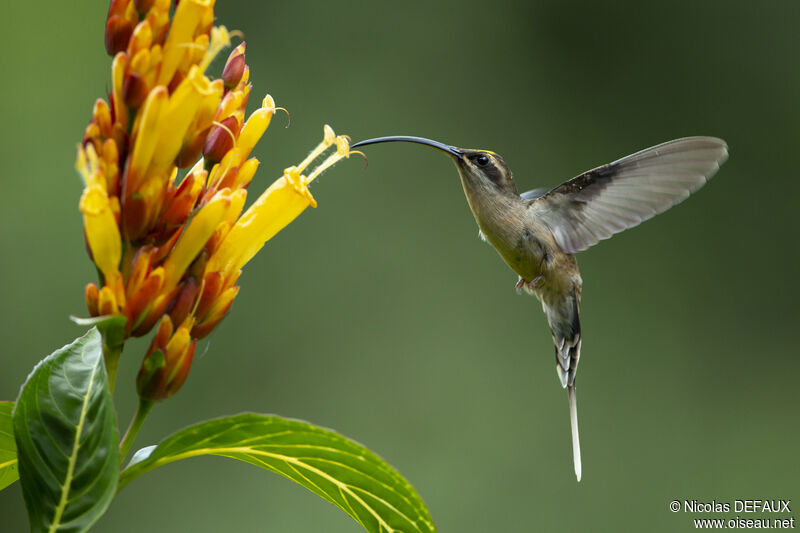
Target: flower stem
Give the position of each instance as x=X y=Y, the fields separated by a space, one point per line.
x=111 y=356
x=138 y=419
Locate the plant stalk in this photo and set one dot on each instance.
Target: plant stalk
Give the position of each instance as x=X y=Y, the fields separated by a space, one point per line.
x=112 y=356
x=136 y=424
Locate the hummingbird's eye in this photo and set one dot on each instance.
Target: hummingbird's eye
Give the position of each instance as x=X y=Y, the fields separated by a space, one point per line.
x=481 y=160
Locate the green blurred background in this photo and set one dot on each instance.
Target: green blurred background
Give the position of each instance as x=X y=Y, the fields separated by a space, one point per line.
x=382 y=315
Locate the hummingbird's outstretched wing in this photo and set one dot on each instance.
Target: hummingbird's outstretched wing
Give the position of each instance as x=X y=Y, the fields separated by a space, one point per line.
x=620 y=195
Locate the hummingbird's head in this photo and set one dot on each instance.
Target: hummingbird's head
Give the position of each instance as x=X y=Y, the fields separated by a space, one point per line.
x=478 y=168
x=483 y=168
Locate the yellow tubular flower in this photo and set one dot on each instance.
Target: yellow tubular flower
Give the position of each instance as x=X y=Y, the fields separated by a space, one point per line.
x=281 y=203
x=252 y=131
x=255 y=126
x=102 y=231
x=194 y=239
x=144 y=140
x=177 y=116
x=188 y=15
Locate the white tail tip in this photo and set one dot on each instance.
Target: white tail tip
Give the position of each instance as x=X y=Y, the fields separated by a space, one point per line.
x=576 y=442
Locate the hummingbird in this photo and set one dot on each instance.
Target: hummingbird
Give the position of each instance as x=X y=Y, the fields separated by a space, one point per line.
x=537 y=233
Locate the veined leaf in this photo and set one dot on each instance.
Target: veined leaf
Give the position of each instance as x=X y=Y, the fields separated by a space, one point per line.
x=66 y=435
x=8 y=449
x=340 y=470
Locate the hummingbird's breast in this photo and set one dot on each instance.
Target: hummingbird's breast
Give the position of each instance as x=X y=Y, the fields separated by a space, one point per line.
x=525 y=252
x=525 y=246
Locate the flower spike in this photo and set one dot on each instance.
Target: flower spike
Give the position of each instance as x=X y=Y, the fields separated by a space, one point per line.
x=170 y=245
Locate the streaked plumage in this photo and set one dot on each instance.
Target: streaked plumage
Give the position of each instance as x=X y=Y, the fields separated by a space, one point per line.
x=538 y=232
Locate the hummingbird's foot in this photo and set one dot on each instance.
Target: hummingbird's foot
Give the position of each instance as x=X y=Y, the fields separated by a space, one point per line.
x=528 y=285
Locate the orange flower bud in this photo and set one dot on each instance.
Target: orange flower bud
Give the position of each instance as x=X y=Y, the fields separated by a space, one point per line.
x=184 y=301
x=232 y=102
x=220 y=140
x=167 y=362
x=180 y=370
x=141 y=302
x=134 y=90
x=143 y=6
x=101 y=115
x=212 y=284
x=163 y=251
x=234 y=68
x=217 y=312
x=118 y=7
x=141 y=39
x=107 y=303
x=134 y=216
x=155 y=312
x=163 y=333
x=121 y=139
x=118 y=33
x=91 y=135
x=140 y=269
x=110 y=158
x=182 y=202
x=118 y=67
x=92 y=294
x=159 y=21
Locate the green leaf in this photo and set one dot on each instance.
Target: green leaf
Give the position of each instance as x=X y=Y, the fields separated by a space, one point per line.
x=66 y=434
x=8 y=449
x=111 y=326
x=340 y=470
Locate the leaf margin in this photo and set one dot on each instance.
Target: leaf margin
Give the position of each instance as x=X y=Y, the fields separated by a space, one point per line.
x=151 y=457
x=43 y=512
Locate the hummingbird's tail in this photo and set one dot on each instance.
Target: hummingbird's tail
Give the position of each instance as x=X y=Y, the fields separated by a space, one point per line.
x=563 y=317
x=576 y=441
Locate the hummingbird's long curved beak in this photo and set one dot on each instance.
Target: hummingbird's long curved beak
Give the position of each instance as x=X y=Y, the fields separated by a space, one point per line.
x=452 y=150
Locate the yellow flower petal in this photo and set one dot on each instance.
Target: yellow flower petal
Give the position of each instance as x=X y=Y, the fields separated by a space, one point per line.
x=193 y=239
x=118 y=67
x=176 y=118
x=146 y=136
x=238 y=198
x=102 y=231
x=246 y=172
x=187 y=17
x=255 y=127
x=272 y=211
